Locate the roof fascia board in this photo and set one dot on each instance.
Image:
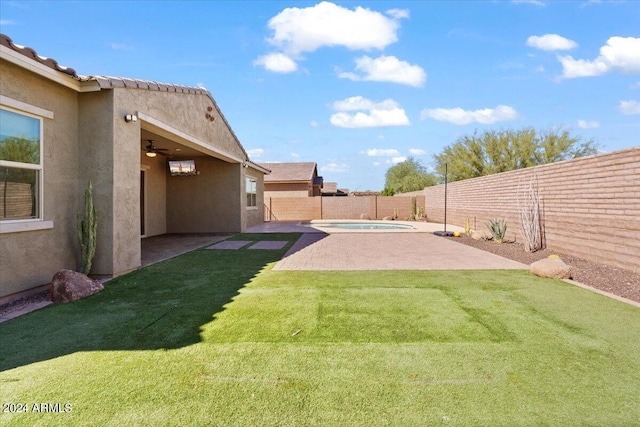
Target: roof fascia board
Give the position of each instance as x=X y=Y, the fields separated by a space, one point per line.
x=258 y=167
x=172 y=133
x=289 y=181
x=37 y=68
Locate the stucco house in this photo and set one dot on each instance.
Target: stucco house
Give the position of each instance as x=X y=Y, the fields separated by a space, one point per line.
x=60 y=130
x=293 y=179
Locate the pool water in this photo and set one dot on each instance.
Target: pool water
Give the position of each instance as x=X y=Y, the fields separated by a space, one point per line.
x=365 y=225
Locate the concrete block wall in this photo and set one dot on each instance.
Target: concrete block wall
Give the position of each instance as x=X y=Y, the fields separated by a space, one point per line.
x=590 y=206
x=307 y=208
x=293 y=208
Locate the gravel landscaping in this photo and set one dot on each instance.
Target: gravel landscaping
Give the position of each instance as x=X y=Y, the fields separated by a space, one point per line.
x=617 y=281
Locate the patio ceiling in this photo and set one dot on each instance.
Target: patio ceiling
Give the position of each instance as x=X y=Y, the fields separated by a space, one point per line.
x=176 y=150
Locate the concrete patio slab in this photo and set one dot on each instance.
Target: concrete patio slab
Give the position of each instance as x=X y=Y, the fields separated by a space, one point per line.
x=230 y=244
x=160 y=248
x=269 y=244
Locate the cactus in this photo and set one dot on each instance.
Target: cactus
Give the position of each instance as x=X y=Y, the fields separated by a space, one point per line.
x=87 y=231
x=395 y=213
x=414 y=209
x=467 y=227
x=498 y=229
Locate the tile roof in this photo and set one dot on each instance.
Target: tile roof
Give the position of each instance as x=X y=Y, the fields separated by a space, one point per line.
x=108 y=82
x=32 y=54
x=297 y=171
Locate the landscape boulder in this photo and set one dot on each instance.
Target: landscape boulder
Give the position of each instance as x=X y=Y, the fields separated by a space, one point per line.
x=481 y=235
x=387 y=218
x=68 y=286
x=553 y=268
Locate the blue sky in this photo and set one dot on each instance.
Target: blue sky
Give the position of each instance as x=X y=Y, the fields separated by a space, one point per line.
x=357 y=86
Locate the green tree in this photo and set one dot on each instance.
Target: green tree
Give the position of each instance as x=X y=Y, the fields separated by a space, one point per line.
x=500 y=151
x=406 y=176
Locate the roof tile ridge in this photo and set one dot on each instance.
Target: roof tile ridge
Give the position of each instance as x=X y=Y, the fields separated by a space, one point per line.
x=32 y=54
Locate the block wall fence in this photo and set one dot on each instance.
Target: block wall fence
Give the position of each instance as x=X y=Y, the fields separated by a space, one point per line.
x=590 y=207
x=308 y=208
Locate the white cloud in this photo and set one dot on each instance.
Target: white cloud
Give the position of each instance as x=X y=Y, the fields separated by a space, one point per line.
x=619 y=54
x=381 y=152
x=297 y=30
x=120 y=46
x=459 y=116
x=376 y=163
x=368 y=113
x=386 y=69
x=7 y=22
x=551 y=42
x=277 y=63
x=255 y=152
x=313 y=124
x=417 y=151
x=635 y=85
x=374 y=118
x=398 y=13
x=356 y=103
x=397 y=159
x=335 y=167
x=629 y=108
x=584 y=124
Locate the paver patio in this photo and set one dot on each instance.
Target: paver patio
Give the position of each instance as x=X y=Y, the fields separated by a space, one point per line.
x=387 y=251
x=381 y=250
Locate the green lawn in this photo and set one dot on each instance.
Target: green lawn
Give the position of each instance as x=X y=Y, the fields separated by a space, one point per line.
x=218 y=338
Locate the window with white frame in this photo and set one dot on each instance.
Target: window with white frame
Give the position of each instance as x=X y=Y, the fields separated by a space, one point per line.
x=251 y=190
x=20 y=165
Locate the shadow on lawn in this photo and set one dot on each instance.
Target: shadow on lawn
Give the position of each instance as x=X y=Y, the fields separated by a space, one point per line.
x=162 y=306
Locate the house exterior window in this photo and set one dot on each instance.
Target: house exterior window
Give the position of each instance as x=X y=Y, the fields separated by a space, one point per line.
x=251 y=190
x=20 y=165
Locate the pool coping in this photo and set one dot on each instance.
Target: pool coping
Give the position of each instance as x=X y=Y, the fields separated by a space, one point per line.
x=418 y=226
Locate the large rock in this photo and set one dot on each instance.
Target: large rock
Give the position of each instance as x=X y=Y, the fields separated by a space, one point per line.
x=553 y=268
x=68 y=286
x=481 y=235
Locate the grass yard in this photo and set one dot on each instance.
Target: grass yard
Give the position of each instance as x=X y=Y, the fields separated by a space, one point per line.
x=218 y=338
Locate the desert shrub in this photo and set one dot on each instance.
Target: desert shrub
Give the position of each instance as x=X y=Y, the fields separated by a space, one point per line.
x=498 y=229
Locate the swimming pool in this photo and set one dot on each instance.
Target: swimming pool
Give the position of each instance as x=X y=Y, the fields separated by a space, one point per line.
x=360 y=225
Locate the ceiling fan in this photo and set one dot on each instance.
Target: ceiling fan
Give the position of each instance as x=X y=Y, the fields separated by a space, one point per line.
x=152 y=150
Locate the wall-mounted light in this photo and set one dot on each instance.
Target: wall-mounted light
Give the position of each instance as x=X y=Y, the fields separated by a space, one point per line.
x=151 y=153
x=130 y=118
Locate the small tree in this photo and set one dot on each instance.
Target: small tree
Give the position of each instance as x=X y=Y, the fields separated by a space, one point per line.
x=87 y=231
x=500 y=151
x=408 y=176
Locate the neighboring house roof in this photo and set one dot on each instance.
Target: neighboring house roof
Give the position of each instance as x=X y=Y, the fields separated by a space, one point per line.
x=330 y=188
x=292 y=172
x=109 y=82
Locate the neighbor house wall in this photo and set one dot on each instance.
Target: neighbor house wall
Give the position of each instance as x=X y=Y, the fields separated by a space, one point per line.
x=590 y=206
x=31 y=258
x=207 y=202
x=274 y=190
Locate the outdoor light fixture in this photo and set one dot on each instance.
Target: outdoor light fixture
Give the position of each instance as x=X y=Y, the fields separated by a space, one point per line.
x=151 y=153
x=130 y=118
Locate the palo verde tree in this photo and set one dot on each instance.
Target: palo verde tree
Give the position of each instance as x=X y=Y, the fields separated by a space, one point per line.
x=406 y=176
x=500 y=151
